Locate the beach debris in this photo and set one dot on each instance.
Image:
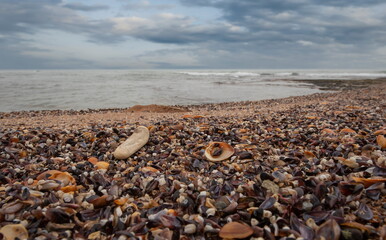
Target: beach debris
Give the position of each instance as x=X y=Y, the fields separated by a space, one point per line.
x=136 y=141
x=218 y=151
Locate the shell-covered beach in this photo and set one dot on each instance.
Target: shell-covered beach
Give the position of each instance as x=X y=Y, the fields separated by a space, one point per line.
x=307 y=167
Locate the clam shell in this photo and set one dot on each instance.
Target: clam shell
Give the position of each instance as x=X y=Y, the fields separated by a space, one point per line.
x=93 y=160
x=136 y=141
x=235 y=230
x=47 y=174
x=102 y=165
x=218 y=151
x=14 y=231
x=381 y=140
x=63 y=177
x=367 y=182
x=347 y=130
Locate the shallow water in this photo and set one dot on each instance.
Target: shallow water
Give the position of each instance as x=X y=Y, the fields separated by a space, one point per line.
x=83 y=89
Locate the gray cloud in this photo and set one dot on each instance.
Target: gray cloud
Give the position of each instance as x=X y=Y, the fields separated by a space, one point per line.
x=249 y=34
x=145 y=5
x=86 y=8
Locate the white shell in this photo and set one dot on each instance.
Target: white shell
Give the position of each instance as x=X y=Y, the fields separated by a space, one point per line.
x=227 y=151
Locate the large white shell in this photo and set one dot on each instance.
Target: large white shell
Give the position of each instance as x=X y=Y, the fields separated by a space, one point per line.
x=14 y=231
x=226 y=151
x=137 y=140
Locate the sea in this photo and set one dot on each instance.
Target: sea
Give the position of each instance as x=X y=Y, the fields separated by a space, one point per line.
x=25 y=90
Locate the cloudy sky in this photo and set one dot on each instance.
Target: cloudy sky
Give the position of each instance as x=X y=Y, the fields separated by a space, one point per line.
x=128 y=34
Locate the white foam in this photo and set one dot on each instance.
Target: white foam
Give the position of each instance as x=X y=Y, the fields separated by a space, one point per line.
x=230 y=74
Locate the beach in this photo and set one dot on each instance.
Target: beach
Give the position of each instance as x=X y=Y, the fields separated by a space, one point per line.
x=311 y=167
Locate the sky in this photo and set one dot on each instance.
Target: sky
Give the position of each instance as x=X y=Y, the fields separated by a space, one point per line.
x=193 y=34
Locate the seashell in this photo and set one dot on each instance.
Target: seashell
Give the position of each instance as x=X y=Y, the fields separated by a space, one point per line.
x=367 y=182
x=70 y=188
x=63 y=177
x=23 y=153
x=95 y=235
x=381 y=131
x=235 y=230
x=120 y=201
x=329 y=230
x=268 y=203
x=364 y=212
x=381 y=141
x=149 y=169
x=102 y=201
x=11 y=207
x=353 y=107
x=92 y=160
x=48 y=185
x=218 y=151
x=351 y=162
x=136 y=141
x=14 y=231
x=192 y=116
x=309 y=154
x=328 y=131
x=347 y=130
x=350 y=188
x=60 y=226
x=57 y=215
x=364 y=228
x=102 y=165
x=47 y=174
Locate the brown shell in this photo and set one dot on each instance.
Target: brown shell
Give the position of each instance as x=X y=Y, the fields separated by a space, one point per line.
x=192 y=116
x=70 y=188
x=102 y=165
x=347 y=130
x=368 y=181
x=381 y=140
x=328 y=131
x=358 y=226
x=47 y=174
x=235 y=230
x=93 y=160
x=381 y=131
x=218 y=151
x=309 y=154
x=63 y=177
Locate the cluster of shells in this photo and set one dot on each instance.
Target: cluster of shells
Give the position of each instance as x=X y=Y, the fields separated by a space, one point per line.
x=313 y=173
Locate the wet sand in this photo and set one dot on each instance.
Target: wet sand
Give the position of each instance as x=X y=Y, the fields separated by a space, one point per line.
x=310 y=166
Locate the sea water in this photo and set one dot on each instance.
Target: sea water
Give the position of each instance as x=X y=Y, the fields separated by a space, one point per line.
x=92 y=89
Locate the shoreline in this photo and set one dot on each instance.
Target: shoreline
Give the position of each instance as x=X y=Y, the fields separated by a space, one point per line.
x=149 y=113
x=323 y=85
x=310 y=166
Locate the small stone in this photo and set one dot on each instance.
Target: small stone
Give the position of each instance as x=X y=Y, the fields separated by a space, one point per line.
x=270 y=186
x=67 y=197
x=136 y=141
x=190 y=228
